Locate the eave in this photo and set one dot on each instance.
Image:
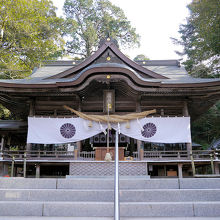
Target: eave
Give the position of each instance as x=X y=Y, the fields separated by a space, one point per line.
x=100 y=73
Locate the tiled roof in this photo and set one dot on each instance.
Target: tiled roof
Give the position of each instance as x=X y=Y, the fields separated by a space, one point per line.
x=170 y=69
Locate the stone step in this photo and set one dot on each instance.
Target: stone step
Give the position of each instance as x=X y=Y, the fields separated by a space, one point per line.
x=87 y=183
x=201 y=183
x=103 y=218
x=26 y=183
x=125 y=183
x=56 y=195
x=137 y=195
x=106 y=209
x=108 y=183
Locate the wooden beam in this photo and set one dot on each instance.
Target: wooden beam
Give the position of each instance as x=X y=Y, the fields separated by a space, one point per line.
x=55 y=103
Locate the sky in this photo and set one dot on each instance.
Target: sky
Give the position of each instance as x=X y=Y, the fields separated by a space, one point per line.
x=155 y=21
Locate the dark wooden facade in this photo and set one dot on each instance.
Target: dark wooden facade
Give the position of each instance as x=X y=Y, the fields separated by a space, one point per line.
x=137 y=88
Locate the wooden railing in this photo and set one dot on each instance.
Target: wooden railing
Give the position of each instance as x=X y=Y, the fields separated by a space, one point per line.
x=197 y=154
x=165 y=154
x=84 y=155
x=19 y=154
x=70 y=155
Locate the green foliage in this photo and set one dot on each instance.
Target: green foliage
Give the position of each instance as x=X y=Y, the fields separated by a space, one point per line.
x=13 y=148
x=207 y=128
x=141 y=57
x=200 y=37
x=4 y=112
x=30 y=33
x=88 y=21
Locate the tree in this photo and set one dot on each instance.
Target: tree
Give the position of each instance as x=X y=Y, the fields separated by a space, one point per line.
x=207 y=128
x=200 y=37
x=88 y=21
x=200 y=40
x=141 y=57
x=30 y=33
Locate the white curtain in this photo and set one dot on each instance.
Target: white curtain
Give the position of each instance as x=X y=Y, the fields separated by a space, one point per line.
x=158 y=129
x=65 y=130
x=61 y=130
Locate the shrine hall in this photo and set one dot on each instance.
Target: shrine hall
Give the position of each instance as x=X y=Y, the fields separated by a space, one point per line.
x=67 y=113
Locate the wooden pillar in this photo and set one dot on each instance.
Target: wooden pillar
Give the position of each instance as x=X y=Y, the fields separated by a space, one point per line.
x=165 y=170
x=216 y=164
x=12 y=166
x=212 y=164
x=132 y=146
x=31 y=109
x=141 y=153
x=28 y=147
x=139 y=143
x=186 y=114
x=9 y=140
x=79 y=146
x=1 y=169
x=5 y=166
x=146 y=169
x=75 y=154
x=78 y=143
x=162 y=112
x=31 y=114
x=189 y=148
x=37 y=170
x=2 y=147
x=55 y=113
x=139 y=149
x=2 y=143
x=25 y=165
x=193 y=164
x=180 y=170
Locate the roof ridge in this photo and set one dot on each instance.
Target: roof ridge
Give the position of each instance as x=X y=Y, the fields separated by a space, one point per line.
x=108 y=44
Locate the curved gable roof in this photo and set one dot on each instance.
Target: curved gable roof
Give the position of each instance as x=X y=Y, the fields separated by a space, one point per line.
x=108 y=45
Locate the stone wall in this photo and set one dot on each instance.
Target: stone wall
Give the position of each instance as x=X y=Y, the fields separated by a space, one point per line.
x=107 y=168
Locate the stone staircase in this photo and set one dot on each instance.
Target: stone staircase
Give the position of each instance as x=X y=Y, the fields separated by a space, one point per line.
x=93 y=197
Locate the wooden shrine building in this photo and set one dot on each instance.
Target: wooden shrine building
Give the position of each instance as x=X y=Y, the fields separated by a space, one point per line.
x=86 y=86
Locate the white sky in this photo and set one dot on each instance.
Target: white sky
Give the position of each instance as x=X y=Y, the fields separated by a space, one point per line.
x=155 y=20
